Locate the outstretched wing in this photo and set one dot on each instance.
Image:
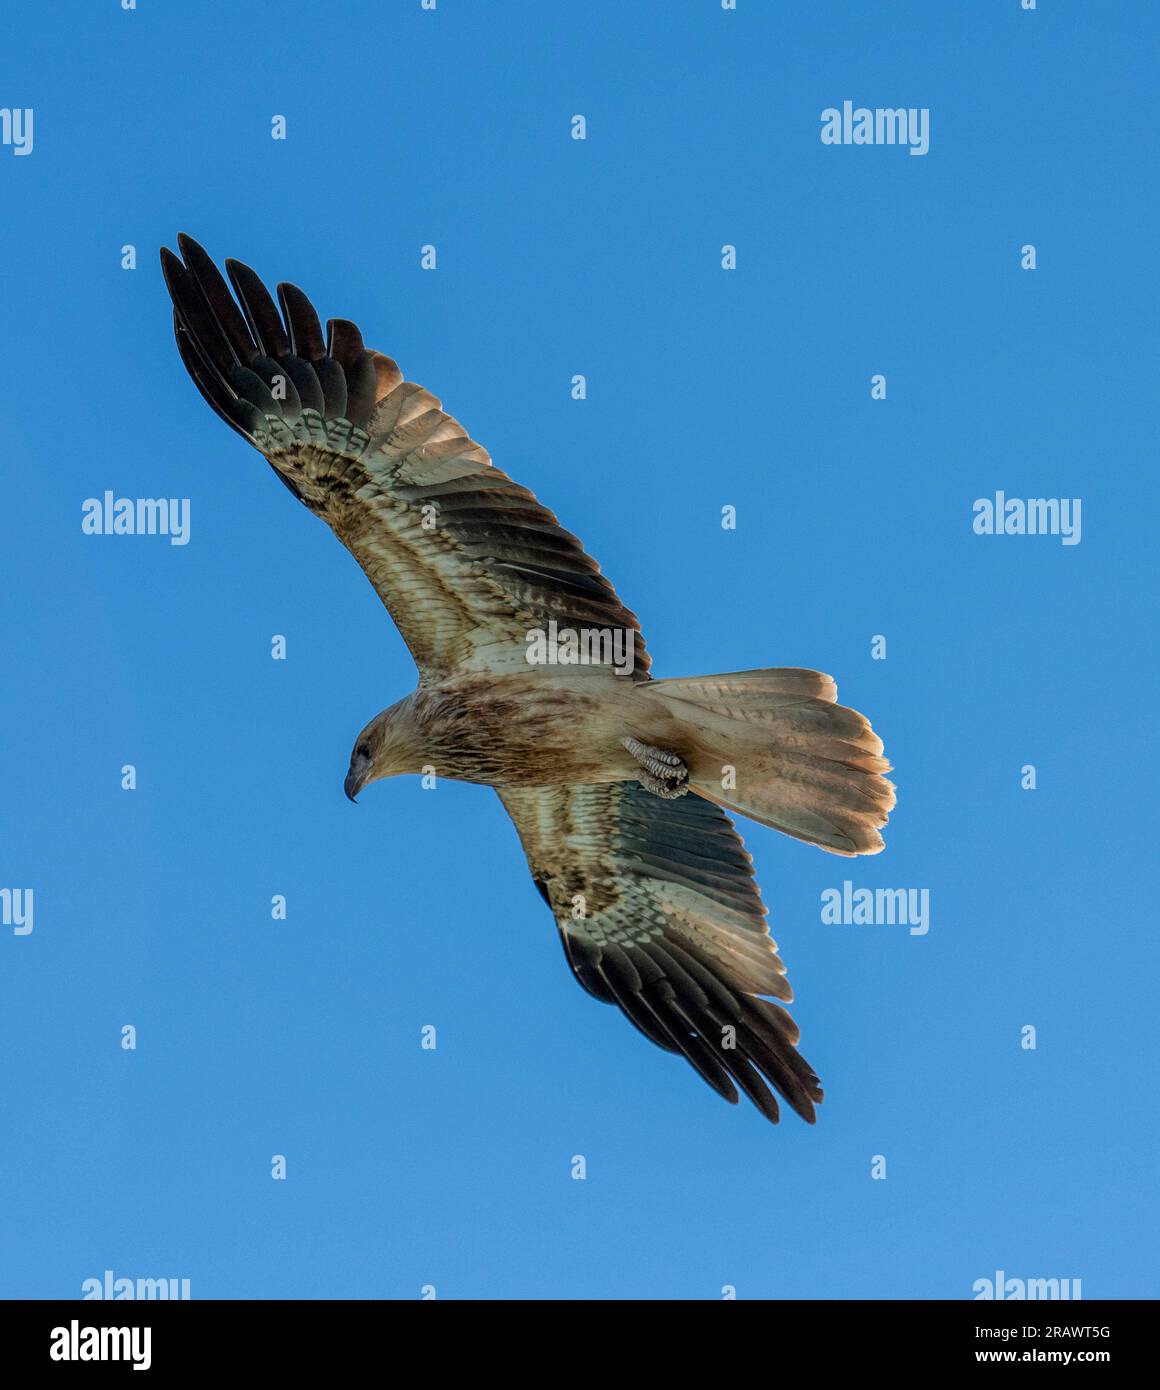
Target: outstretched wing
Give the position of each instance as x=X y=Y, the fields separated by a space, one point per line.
x=659 y=913
x=466 y=561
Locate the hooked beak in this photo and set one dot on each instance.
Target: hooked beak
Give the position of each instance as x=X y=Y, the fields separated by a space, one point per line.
x=356 y=777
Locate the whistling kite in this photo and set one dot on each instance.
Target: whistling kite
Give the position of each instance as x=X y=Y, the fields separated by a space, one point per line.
x=615 y=781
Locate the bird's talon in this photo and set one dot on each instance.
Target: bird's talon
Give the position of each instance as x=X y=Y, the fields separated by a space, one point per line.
x=662 y=773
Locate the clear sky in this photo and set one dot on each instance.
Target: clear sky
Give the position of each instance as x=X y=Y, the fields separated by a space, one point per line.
x=707 y=388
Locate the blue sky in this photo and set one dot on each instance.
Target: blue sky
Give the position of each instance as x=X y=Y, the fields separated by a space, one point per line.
x=706 y=388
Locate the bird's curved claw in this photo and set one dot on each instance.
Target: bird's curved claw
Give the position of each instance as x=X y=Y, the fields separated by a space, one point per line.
x=661 y=772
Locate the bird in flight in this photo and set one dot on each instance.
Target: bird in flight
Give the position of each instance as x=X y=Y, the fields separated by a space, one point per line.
x=534 y=679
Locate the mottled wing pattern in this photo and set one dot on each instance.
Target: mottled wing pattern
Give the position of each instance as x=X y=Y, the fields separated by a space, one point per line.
x=465 y=560
x=659 y=913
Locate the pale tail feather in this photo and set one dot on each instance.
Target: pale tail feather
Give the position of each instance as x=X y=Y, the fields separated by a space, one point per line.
x=803 y=764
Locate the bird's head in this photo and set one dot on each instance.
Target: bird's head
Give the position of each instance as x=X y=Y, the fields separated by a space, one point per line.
x=383 y=749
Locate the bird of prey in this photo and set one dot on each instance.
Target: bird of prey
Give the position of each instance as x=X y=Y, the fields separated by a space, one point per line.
x=615 y=781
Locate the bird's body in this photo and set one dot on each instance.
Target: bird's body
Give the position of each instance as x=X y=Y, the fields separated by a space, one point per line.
x=615 y=780
x=535 y=729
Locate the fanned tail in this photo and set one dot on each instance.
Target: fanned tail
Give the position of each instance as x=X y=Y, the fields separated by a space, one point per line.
x=774 y=746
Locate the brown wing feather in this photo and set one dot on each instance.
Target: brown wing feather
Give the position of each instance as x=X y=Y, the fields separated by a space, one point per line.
x=659 y=913
x=465 y=560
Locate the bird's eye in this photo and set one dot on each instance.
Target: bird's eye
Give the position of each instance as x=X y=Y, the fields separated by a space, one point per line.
x=363 y=750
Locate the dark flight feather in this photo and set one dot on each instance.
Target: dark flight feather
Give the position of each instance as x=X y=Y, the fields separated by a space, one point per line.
x=378 y=458
x=678 y=950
